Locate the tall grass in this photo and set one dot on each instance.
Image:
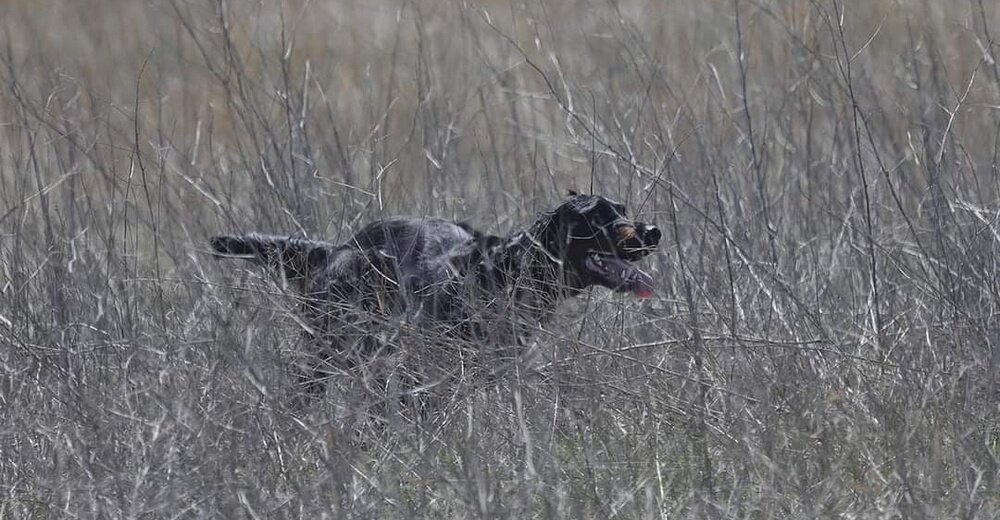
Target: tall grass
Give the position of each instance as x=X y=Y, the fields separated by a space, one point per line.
x=824 y=342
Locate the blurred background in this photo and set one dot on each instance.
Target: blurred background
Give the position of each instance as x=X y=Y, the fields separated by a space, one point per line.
x=824 y=341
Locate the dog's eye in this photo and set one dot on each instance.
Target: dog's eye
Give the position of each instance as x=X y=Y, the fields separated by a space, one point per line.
x=599 y=218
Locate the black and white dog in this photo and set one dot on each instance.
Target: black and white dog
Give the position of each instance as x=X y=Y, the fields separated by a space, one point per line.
x=445 y=276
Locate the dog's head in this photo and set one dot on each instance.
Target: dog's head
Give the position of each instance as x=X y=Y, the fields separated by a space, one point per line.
x=598 y=244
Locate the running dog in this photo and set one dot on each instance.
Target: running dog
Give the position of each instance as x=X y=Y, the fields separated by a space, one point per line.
x=445 y=276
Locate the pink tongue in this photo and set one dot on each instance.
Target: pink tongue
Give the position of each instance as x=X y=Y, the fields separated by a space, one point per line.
x=642 y=284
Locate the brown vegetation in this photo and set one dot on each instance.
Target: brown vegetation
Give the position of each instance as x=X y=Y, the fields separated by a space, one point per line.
x=825 y=340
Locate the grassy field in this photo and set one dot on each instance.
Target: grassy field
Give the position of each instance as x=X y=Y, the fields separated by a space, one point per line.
x=824 y=342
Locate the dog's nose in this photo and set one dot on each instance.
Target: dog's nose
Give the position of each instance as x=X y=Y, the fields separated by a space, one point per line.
x=651 y=237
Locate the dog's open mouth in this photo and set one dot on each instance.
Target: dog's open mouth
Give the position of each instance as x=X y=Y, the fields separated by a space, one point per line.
x=619 y=274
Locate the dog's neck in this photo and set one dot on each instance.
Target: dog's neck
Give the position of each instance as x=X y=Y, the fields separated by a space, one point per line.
x=530 y=270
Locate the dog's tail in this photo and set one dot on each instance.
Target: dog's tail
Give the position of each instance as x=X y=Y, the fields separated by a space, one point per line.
x=295 y=258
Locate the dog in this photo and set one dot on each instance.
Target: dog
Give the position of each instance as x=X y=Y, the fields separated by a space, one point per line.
x=433 y=274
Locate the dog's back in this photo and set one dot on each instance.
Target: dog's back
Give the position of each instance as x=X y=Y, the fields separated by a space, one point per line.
x=404 y=266
x=426 y=248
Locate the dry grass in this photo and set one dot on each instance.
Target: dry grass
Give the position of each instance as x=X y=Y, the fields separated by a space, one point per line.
x=825 y=340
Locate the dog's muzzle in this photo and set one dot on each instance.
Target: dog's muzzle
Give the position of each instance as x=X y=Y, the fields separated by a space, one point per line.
x=637 y=240
x=616 y=270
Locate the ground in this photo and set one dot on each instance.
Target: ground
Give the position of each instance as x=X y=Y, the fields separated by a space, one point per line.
x=824 y=340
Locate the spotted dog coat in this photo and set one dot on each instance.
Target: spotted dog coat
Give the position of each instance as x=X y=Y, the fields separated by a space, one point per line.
x=438 y=274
